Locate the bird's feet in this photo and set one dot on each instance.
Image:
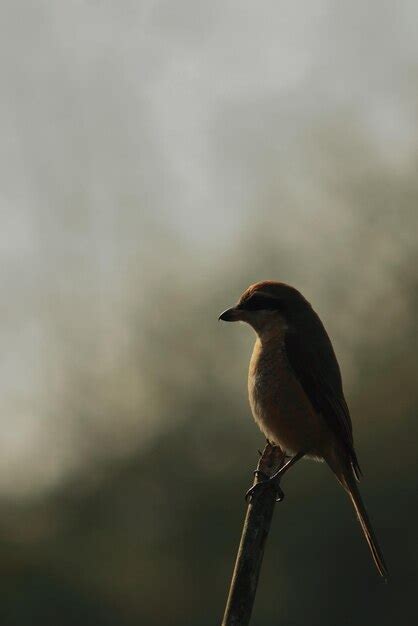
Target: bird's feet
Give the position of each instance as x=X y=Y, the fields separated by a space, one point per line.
x=266 y=483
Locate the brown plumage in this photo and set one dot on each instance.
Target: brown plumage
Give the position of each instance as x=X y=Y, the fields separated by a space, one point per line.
x=295 y=388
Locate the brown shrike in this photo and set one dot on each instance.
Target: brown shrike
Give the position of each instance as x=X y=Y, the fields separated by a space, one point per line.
x=295 y=390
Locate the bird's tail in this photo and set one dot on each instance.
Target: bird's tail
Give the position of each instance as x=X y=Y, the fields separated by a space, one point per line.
x=349 y=483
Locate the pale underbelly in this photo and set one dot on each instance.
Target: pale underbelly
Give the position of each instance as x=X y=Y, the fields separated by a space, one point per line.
x=284 y=413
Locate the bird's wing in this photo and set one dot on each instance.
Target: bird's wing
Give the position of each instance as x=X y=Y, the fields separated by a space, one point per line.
x=313 y=361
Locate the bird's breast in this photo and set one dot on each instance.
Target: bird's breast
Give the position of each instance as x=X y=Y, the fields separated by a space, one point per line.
x=278 y=403
x=268 y=372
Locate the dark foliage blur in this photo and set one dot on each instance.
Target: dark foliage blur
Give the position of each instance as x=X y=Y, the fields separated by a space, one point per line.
x=151 y=537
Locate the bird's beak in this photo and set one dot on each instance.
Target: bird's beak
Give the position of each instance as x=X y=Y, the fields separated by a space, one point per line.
x=230 y=315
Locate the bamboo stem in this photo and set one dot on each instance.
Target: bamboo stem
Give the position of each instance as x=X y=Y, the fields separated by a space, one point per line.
x=251 y=549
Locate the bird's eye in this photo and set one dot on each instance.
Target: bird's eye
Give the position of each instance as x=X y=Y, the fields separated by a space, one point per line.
x=258 y=302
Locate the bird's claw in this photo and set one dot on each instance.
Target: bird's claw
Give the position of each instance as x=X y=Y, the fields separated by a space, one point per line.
x=258 y=488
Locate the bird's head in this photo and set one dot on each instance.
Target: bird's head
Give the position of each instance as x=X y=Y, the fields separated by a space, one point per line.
x=266 y=305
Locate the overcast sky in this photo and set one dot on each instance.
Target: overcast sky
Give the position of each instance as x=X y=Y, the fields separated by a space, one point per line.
x=125 y=125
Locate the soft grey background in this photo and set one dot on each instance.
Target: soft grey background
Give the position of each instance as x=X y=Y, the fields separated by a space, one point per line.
x=156 y=158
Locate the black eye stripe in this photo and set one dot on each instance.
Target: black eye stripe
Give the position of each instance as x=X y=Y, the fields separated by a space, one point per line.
x=258 y=302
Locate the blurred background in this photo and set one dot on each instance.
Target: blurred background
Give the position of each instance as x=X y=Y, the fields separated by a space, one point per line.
x=156 y=158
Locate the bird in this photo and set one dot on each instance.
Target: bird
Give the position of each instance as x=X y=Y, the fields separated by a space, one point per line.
x=296 y=393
